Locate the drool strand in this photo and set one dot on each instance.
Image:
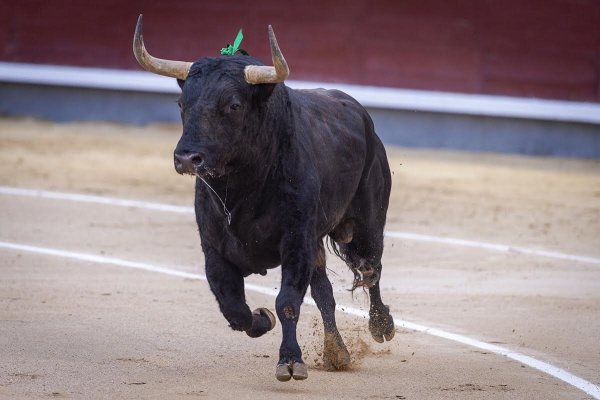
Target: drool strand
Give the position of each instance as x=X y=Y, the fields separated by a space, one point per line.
x=225 y=210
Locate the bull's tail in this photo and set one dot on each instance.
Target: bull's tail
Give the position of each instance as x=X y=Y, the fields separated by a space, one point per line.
x=334 y=247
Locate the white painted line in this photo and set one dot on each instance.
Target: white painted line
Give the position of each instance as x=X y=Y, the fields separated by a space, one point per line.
x=113 y=201
x=559 y=373
x=369 y=96
x=87 y=198
x=491 y=246
x=100 y=260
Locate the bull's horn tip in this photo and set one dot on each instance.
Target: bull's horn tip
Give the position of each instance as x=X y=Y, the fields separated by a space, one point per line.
x=138 y=26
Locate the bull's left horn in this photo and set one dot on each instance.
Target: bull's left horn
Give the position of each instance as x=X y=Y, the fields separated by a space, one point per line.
x=173 y=69
x=256 y=74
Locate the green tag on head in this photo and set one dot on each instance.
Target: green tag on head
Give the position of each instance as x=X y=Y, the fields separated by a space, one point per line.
x=232 y=49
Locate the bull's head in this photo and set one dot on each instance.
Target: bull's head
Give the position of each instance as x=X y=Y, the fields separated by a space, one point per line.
x=218 y=106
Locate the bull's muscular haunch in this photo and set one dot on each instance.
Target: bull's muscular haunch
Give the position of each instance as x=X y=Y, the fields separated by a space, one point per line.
x=277 y=171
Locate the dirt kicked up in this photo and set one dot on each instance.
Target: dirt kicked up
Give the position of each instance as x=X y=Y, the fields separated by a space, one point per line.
x=76 y=329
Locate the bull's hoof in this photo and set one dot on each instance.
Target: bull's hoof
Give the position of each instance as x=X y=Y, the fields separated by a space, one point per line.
x=285 y=372
x=265 y=312
x=335 y=353
x=381 y=325
x=263 y=321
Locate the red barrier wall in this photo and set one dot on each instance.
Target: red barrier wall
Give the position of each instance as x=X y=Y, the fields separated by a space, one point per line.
x=536 y=48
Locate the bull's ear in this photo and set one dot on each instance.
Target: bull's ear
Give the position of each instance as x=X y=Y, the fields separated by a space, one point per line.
x=180 y=82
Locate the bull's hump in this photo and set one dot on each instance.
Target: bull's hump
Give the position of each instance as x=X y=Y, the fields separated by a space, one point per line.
x=329 y=93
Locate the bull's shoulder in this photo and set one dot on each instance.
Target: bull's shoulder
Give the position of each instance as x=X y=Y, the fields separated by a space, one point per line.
x=331 y=119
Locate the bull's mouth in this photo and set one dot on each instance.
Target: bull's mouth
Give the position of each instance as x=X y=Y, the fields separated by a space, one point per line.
x=213 y=173
x=204 y=172
x=194 y=165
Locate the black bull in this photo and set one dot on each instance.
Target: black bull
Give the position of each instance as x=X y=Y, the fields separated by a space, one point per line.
x=277 y=171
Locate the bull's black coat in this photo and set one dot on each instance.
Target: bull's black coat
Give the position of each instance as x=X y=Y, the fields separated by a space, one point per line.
x=291 y=166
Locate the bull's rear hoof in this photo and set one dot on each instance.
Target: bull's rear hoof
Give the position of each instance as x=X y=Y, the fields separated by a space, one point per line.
x=387 y=335
x=297 y=370
x=390 y=335
x=335 y=353
x=381 y=326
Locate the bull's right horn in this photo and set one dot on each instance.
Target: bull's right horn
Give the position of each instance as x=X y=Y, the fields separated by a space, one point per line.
x=173 y=69
x=256 y=74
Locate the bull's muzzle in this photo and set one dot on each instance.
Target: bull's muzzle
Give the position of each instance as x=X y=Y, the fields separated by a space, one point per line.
x=188 y=163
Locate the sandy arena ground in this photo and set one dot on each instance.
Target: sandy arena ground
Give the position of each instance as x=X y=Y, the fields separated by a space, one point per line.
x=76 y=329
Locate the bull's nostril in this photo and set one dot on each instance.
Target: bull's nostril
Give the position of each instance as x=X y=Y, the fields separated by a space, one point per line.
x=196 y=160
x=178 y=163
x=187 y=163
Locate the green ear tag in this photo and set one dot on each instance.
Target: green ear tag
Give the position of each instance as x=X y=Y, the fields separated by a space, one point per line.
x=231 y=50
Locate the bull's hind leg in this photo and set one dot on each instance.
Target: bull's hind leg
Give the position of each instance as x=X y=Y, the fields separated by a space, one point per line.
x=363 y=256
x=335 y=353
x=381 y=323
x=363 y=252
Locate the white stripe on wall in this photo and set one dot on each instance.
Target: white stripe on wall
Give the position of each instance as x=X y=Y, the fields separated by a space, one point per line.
x=368 y=96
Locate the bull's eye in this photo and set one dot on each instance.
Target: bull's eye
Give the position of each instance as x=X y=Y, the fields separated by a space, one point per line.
x=234 y=106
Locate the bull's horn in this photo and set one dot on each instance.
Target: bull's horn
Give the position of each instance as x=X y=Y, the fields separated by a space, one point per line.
x=173 y=69
x=256 y=74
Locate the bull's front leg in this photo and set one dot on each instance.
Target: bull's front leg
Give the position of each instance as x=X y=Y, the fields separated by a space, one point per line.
x=227 y=285
x=297 y=264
